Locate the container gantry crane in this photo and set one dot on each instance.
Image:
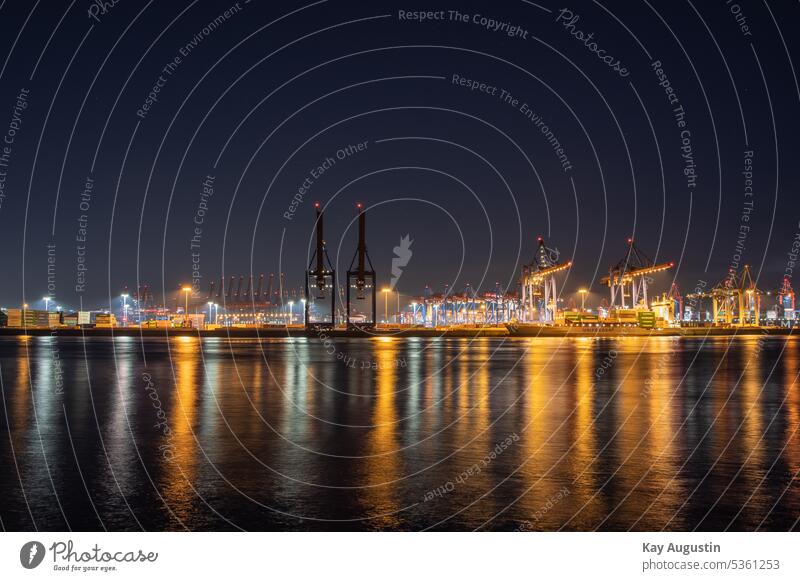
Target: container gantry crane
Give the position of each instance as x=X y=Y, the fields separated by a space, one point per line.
x=539 y=293
x=786 y=299
x=320 y=279
x=629 y=278
x=363 y=278
x=737 y=300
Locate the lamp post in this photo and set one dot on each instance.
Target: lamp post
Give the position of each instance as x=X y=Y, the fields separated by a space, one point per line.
x=386 y=292
x=187 y=290
x=583 y=292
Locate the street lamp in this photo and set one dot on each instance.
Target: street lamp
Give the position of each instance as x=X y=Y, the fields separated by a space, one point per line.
x=583 y=292
x=386 y=292
x=187 y=290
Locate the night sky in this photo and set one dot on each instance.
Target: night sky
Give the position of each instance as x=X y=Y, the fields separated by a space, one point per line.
x=479 y=131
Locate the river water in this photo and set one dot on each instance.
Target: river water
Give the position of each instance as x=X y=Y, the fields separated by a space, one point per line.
x=400 y=434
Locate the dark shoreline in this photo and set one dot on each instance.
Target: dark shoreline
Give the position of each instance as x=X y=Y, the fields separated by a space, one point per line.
x=512 y=331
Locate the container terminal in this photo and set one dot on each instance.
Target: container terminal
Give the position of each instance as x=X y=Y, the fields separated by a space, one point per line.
x=631 y=303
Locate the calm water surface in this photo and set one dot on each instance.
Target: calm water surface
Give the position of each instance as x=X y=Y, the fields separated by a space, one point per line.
x=387 y=434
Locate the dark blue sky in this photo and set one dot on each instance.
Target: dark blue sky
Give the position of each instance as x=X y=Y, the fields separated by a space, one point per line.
x=266 y=93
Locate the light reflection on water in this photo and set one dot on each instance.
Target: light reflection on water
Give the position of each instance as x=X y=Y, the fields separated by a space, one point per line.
x=400 y=434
